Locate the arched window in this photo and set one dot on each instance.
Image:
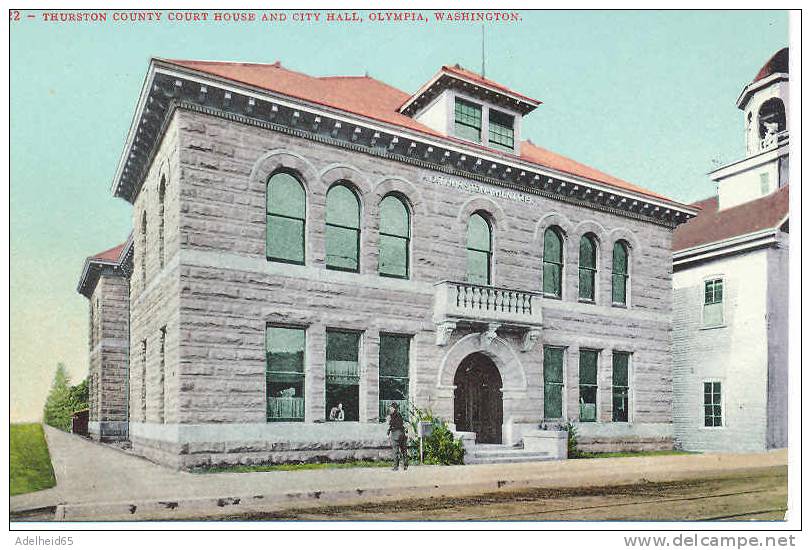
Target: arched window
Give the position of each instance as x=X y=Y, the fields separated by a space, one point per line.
x=343 y=229
x=552 y=262
x=394 y=237
x=285 y=219
x=587 y=267
x=619 y=273
x=143 y=250
x=479 y=250
x=771 y=122
x=161 y=198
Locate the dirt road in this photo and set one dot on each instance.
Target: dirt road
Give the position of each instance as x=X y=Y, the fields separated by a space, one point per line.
x=757 y=494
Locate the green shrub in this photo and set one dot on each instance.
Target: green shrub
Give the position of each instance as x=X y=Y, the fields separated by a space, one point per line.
x=438 y=448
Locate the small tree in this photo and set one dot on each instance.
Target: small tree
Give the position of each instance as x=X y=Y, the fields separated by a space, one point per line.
x=58 y=408
x=64 y=399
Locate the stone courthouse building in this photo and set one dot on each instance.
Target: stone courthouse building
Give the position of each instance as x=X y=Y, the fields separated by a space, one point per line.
x=301 y=242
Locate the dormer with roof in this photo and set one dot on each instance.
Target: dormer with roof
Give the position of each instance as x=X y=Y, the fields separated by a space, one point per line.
x=764 y=169
x=460 y=103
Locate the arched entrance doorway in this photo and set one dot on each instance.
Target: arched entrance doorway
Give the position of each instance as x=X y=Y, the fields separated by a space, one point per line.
x=477 y=405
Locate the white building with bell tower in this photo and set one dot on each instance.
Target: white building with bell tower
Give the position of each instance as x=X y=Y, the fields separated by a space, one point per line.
x=730 y=288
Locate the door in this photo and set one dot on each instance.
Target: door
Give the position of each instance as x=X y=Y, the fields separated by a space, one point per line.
x=477 y=405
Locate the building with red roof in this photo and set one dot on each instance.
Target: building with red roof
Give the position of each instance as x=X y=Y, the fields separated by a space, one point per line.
x=730 y=263
x=305 y=244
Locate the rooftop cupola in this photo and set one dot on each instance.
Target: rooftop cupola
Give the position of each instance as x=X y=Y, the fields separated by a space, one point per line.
x=460 y=103
x=764 y=102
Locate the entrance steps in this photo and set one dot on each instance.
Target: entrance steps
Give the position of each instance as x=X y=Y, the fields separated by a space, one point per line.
x=502 y=454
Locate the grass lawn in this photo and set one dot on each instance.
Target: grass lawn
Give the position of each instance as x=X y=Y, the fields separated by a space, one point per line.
x=29 y=461
x=294 y=466
x=632 y=453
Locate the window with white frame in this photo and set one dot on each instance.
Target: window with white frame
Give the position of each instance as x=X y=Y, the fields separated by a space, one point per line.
x=713 y=417
x=713 y=314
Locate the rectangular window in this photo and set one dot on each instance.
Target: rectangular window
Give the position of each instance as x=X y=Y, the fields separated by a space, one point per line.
x=713 y=303
x=502 y=132
x=764 y=183
x=393 y=378
x=712 y=404
x=588 y=385
x=468 y=120
x=343 y=248
x=343 y=376
x=619 y=386
x=284 y=373
x=552 y=382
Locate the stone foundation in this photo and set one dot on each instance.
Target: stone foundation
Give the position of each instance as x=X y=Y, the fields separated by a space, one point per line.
x=201 y=446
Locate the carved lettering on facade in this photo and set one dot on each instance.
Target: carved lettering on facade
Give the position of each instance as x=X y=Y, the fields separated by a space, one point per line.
x=473 y=187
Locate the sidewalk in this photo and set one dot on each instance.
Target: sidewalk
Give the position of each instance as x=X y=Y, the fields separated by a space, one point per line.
x=96 y=482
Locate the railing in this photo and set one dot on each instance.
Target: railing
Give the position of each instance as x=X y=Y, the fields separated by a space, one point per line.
x=493 y=299
x=383 y=408
x=285 y=408
x=774 y=140
x=458 y=301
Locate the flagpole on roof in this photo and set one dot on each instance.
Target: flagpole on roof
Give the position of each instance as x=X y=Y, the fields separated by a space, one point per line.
x=482 y=50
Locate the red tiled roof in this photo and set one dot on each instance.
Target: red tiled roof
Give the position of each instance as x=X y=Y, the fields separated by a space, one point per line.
x=475 y=77
x=711 y=225
x=371 y=98
x=110 y=255
x=539 y=155
x=778 y=63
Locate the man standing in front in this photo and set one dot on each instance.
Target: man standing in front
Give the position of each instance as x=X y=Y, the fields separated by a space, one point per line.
x=397 y=436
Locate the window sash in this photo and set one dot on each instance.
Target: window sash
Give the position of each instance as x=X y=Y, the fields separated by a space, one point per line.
x=552 y=278
x=713 y=291
x=467 y=120
x=478 y=267
x=285 y=239
x=586 y=283
x=619 y=285
x=393 y=259
x=502 y=130
x=343 y=248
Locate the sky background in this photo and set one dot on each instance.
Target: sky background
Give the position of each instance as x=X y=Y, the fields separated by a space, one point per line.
x=646 y=96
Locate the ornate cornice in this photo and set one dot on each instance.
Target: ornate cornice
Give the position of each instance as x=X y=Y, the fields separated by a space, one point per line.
x=168 y=93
